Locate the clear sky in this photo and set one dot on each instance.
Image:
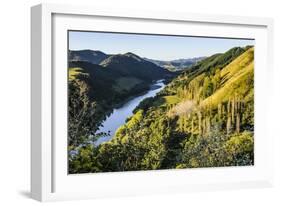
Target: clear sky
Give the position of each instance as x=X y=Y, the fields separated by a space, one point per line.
x=152 y=46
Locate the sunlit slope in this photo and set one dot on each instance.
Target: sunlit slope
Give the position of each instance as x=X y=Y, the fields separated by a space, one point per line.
x=237 y=80
x=74 y=72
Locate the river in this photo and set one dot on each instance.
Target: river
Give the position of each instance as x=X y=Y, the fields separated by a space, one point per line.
x=119 y=115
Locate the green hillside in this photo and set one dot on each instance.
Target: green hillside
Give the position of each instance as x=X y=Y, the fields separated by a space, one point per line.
x=95 y=90
x=130 y=64
x=202 y=118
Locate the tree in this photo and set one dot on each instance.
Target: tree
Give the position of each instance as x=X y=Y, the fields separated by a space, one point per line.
x=207 y=89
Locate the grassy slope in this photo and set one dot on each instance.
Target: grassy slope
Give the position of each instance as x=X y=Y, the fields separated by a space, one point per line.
x=119 y=85
x=236 y=81
x=235 y=73
x=171 y=100
x=235 y=78
x=74 y=72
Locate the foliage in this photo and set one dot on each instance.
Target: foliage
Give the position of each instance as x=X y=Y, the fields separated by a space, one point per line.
x=202 y=118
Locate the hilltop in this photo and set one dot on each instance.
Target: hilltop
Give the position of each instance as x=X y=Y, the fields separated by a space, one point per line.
x=91 y=56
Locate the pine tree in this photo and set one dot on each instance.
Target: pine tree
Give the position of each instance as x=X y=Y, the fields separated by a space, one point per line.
x=228 y=124
x=238 y=123
x=232 y=110
x=199 y=122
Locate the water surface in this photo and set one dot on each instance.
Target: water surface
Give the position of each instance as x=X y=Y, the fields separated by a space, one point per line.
x=119 y=115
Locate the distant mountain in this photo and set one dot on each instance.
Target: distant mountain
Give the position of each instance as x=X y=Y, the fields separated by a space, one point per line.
x=130 y=64
x=97 y=57
x=178 y=64
x=94 y=57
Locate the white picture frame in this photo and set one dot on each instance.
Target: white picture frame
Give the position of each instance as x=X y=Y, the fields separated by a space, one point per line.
x=49 y=180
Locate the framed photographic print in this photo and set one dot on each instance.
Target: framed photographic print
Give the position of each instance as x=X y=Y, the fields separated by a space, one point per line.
x=138 y=102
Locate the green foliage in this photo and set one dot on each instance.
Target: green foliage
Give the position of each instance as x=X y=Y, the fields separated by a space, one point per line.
x=240 y=149
x=95 y=90
x=126 y=83
x=218 y=150
x=202 y=118
x=74 y=72
x=207 y=89
x=84 y=161
x=80 y=115
x=171 y=100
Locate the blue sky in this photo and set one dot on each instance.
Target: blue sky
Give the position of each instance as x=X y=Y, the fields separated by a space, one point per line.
x=152 y=46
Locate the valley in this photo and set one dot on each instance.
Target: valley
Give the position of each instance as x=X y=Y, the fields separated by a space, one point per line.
x=203 y=116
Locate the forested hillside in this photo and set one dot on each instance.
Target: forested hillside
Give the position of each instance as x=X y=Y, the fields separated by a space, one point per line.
x=202 y=118
x=95 y=89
